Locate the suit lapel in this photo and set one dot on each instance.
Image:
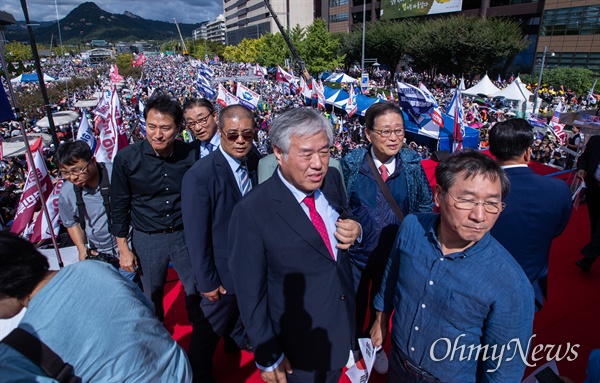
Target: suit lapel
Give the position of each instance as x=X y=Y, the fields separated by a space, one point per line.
x=224 y=170
x=288 y=208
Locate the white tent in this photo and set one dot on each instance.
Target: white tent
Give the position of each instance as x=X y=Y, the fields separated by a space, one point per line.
x=485 y=86
x=340 y=77
x=31 y=77
x=517 y=91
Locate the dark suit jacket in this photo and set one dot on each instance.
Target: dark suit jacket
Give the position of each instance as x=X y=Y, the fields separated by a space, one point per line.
x=209 y=193
x=293 y=297
x=589 y=160
x=538 y=209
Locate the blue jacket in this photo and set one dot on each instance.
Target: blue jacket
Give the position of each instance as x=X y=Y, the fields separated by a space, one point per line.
x=409 y=187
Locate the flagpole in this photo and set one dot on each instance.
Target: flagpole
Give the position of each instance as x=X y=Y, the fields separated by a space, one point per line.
x=28 y=152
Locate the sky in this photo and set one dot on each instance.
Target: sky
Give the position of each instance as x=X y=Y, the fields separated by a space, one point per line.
x=185 y=11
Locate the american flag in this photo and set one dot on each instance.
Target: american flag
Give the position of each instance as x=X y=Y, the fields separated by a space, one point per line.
x=557 y=127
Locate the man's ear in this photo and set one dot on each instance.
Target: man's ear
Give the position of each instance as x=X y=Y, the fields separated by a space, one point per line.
x=278 y=154
x=437 y=193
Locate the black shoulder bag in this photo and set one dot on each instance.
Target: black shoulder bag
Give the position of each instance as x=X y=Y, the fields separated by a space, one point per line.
x=385 y=190
x=105 y=192
x=42 y=355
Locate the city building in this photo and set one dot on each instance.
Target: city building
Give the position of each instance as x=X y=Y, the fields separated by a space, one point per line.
x=251 y=18
x=215 y=30
x=200 y=33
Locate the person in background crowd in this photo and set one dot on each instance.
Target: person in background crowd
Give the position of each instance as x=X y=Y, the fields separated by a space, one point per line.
x=588 y=169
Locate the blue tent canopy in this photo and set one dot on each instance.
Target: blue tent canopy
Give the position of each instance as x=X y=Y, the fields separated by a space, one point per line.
x=433 y=136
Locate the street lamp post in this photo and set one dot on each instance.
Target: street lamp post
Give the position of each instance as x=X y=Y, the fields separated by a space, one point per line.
x=539 y=83
x=362 y=57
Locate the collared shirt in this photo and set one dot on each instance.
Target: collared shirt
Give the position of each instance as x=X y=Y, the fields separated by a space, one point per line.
x=234 y=164
x=146 y=187
x=514 y=166
x=390 y=164
x=215 y=141
x=325 y=210
x=476 y=297
x=96 y=221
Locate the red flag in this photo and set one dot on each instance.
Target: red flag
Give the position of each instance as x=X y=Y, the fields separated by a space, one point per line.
x=30 y=198
x=114 y=74
x=109 y=123
x=41 y=230
x=283 y=76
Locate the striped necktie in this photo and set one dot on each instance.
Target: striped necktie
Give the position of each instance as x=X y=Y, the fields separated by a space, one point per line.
x=245 y=184
x=210 y=147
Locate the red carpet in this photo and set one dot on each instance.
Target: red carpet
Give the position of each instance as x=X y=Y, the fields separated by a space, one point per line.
x=567 y=319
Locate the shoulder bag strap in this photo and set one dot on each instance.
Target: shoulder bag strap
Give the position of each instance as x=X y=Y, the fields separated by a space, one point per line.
x=42 y=355
x=384 y=189
x=80 y=206
x=105 y=192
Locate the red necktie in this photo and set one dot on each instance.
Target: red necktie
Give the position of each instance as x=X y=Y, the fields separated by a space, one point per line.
x=317 y=221
x=384 y=172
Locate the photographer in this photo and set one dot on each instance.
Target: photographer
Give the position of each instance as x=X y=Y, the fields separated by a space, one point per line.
x=91 y=180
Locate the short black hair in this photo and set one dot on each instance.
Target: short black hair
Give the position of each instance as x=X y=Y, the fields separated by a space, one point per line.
x=470 y=163
x=236 y=110
x=510 y=139
x=71 y=152
x=379 y=109
x=198 y=102
x=165 y=104
x=23 y=267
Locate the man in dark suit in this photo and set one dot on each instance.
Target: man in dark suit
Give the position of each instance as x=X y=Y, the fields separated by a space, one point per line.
x=537 y=210
x=211 y=188
x=588 y=169
x=288 y=258
x=201 y=118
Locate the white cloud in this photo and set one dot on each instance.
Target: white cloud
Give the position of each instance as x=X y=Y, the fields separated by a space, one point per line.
x=185 y=11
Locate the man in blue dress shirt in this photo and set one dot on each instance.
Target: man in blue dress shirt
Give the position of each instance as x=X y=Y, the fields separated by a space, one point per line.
x=463 y=306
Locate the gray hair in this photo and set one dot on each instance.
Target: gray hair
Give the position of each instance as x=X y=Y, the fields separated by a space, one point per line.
x=299 y=122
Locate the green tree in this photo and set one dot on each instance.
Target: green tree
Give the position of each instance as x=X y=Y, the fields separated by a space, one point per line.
x=16 y=51
x=124 y=61
x=460 y=44
x=321 y=48
x=272 y=50
x=579 y=80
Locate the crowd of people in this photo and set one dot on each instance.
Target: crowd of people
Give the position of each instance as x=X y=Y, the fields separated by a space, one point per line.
x=286 y=225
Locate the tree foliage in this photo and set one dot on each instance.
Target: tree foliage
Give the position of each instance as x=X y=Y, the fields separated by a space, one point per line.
x=316 y=46
x=579 y=80
x=455 y=44
x=16 y=51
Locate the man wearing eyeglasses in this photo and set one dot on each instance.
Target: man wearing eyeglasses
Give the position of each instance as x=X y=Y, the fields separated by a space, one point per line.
x=539 y=206
x=201 y=118
x=401 y=171
x=454 y=288
x=211 y=188
x=79 y=169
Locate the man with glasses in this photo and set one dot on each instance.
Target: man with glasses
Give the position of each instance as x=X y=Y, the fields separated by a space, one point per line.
x=201 y=118
x=539 y=206
x=211 y=188
x=462 y=303
x=402 y=173
x=82 y=174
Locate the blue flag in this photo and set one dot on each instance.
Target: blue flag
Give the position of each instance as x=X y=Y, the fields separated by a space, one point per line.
x=6 y=112
x=205 y=87
x=414 y=102
x=206 y=71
